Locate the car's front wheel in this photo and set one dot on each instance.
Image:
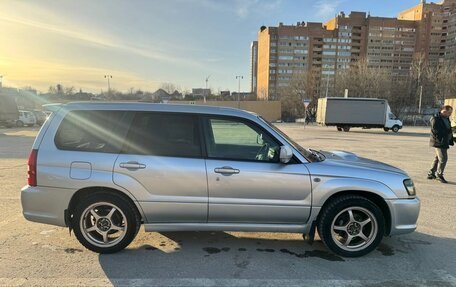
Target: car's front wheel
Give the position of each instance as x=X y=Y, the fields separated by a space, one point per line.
x=351 y=226
x=105 y=222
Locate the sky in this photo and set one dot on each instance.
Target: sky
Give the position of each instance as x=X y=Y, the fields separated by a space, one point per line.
x=143 y=44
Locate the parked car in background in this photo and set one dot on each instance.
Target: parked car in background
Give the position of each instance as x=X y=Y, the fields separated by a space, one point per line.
x=40 y=117
x=26 y=118
x=9 y=113
x=103 y=169
x=346 y=113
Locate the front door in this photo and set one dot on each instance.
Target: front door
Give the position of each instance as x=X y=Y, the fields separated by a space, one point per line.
x=164 y=156
x=247 y=183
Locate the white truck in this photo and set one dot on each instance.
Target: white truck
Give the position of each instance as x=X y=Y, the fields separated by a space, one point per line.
x=345 y=113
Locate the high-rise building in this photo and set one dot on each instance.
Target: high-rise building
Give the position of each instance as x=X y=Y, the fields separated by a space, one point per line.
x=325 y=49
x=436 y=29
x=253 y=66
x=287 y=50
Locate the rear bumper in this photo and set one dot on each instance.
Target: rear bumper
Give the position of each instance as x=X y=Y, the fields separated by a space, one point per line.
x=45 y=204
x=404 y=215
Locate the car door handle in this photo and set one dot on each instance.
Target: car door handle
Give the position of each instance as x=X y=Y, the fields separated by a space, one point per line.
x=226 y=170
x=132 y=165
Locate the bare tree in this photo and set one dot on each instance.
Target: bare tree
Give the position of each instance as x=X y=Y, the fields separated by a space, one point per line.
x=364 y=81
x=68 y=91
x=443 y=81
x=169 y=87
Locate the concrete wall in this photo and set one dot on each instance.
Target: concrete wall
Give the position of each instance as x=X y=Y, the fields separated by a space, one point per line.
x=270 y=110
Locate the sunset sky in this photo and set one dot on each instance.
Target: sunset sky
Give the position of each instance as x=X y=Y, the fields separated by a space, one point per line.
x=145 y=43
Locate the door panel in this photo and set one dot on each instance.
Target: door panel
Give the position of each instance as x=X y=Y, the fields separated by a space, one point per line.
x=259 y=193
x=164 y=155
x=246 y=181
x=177 y=186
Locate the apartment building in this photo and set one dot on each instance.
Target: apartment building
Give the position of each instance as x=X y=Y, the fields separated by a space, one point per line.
x=287 y=50
x=436 y=30
x=325 y=49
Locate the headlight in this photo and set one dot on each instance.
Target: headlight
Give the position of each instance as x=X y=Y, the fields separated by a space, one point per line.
x=408 y=183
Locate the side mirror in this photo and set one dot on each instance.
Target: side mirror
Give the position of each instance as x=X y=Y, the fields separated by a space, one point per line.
x=285 y=154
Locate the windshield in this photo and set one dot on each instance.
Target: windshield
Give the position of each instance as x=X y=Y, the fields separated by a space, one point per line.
x=307 y=153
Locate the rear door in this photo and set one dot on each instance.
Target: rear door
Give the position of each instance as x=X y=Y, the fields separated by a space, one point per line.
x=246 y=181
x=163 y=154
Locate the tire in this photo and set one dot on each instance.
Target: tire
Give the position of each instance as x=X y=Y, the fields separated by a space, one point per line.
x=346 y=129
x=19 y=124
x=335 y=225
x=386 y=129
x=339 y=129
x=395 y=128
x=119 y=226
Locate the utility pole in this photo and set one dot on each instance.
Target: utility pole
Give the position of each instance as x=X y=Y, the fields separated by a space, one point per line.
x=207 y=79
x=239 y=78
x=327 y=85
x=1 y=82
x=109 y=84
x=421 y=97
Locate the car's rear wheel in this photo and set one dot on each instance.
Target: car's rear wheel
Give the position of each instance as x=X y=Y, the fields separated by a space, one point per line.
x=346 y=128
x=386 y=129
x=105 y=222
x=339 y=129
x=351 y=226
x=19 y=124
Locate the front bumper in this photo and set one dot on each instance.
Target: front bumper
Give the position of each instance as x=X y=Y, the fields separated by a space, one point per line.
x=45 y=204
x=404 y=215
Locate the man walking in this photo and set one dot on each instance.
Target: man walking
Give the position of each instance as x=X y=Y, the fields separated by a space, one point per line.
x=441 y=139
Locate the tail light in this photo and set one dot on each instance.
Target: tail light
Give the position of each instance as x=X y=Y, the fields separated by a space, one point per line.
x=31 y=173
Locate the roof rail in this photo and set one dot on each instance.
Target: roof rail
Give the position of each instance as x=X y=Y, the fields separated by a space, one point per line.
x=52 y=107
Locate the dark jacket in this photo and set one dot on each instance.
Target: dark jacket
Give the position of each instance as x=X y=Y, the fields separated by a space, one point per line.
x=441 y=134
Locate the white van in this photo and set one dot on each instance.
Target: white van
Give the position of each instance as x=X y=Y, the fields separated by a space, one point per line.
x=26 y=118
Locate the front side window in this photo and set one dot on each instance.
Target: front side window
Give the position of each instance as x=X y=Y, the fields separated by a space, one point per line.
x=162 y=134
x=93 y=131
x=239 y=140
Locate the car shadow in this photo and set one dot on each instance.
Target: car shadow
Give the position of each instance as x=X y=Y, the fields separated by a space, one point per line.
x=180 y=255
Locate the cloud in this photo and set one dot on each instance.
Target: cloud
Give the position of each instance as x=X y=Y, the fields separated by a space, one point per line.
x=326 y=9
x=241 y=8
x=101 y=41
x=245 y=8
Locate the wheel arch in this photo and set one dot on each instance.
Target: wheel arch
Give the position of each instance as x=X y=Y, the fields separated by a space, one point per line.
x=375 y=198
x=86 y=191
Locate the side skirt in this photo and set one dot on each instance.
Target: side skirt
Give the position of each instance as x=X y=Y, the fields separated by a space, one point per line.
x=292 y=228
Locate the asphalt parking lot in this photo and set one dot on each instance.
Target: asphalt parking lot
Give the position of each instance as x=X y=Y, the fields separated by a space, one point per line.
x=37 y=254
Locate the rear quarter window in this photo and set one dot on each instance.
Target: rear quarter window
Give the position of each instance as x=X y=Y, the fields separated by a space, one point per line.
x=93 y=131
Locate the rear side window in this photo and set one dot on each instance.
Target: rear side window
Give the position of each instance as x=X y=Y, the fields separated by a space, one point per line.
x=93 y=131
x=164 y=134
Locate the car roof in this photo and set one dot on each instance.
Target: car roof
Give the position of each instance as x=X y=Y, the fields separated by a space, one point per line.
x=160 y=107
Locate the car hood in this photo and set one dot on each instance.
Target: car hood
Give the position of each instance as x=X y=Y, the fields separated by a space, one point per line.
x=348 y=159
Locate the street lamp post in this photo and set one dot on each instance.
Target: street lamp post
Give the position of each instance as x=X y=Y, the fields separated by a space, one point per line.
x=239 y=78
x=207 y=79
x=109 y=84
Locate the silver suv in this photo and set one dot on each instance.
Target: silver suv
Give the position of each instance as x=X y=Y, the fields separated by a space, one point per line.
x=103 y=169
